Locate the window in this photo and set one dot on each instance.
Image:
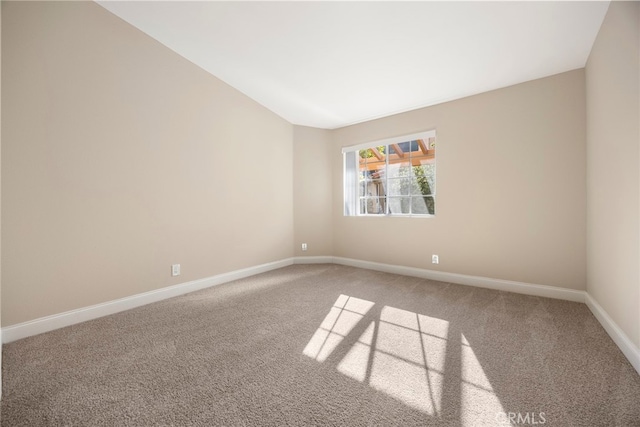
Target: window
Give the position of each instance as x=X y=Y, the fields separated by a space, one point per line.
x=395 y=176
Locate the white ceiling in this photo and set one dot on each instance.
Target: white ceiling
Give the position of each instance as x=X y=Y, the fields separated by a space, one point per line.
x=331 y=64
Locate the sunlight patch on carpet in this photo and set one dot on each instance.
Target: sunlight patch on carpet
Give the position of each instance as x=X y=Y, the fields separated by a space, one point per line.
x=341 y=319
x=403 y=354
x=408 y=358
x=480 y=405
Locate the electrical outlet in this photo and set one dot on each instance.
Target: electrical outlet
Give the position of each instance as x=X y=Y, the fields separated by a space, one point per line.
x=304 y=246
x=435 y=259
x=175 y=270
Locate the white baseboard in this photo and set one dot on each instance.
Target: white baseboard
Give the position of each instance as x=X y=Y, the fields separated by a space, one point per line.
x=621 y=339
x=49 y=323
x=463 y=279
x=313 y=260
x=72 y=317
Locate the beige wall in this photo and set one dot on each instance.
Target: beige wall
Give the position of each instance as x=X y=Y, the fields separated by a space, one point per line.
x=1 y=4
x=510 y=187
x=613 y=165
x=121 y=158
x=312 y=191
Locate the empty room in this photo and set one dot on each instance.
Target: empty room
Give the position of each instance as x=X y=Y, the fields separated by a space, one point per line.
x=320 y=213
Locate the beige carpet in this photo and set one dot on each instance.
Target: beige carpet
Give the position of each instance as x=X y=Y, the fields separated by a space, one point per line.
x=327 y=345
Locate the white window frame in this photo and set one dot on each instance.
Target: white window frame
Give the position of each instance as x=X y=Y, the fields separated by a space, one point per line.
x=350 y=156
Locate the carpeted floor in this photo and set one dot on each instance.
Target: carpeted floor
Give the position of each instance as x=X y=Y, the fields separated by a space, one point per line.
x=326 y=345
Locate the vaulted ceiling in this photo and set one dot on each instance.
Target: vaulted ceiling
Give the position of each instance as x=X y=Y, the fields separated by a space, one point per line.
x=331 y=64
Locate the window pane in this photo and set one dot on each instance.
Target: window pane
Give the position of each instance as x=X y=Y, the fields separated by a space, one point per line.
x=416 y=189
x=414 y=147
x=399 y=205
x=399 y=186
x=377 y=173
x=363 y=206
x=427 y=171
x=375 y=205
x=423 y=205
x=362 y=189
x=362 y=171
x=399 y=169
x=420 y=184
x=373 y=188
x=396 y=152
x=365 y=154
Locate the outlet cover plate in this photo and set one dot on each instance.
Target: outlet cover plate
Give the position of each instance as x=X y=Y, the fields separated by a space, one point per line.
x=175 y=269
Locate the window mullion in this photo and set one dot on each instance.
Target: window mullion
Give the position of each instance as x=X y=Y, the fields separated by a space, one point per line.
x=411 y=177
x=386 y=180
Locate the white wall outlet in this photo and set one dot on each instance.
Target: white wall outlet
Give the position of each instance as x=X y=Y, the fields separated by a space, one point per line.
x=435 y=259
x=304 y=246
x=175 y=269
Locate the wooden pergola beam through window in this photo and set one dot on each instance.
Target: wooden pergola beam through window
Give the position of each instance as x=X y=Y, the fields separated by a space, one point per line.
x=377 y=153
x=417 y=159
x=423 y=146
x=398 y=150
